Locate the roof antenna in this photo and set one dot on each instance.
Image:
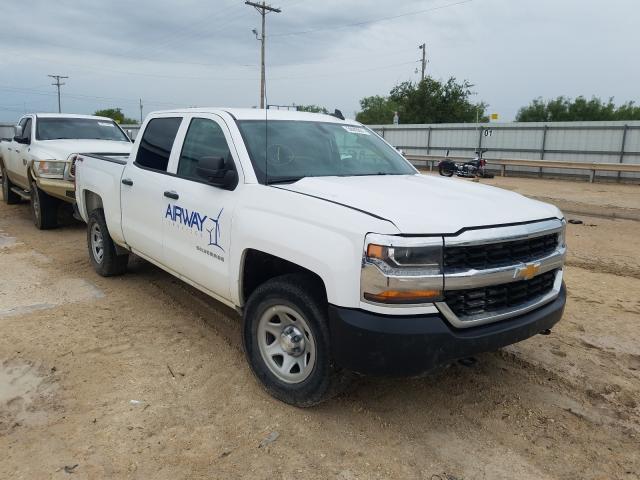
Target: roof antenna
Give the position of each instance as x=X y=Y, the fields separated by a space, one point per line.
x=266 y=134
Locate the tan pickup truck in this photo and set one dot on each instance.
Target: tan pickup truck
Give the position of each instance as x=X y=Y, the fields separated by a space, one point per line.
x=37 y=164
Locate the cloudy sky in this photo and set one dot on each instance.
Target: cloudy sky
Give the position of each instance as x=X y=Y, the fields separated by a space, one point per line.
x=330 y=52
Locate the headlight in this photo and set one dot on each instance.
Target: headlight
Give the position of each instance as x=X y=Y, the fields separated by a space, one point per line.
x=562 y=236
x=49 y=168
x=402 y=270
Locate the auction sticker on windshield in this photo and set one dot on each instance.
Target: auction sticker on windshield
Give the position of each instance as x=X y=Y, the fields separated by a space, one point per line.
x=358 y=130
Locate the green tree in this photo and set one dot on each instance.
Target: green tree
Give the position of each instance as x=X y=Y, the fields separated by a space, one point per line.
x=428 y=101
x=311 y=108
x=563 y=109
x=115 y=114
x=376 y=110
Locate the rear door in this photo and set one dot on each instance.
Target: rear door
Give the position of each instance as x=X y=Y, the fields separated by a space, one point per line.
x=146 y=186
x=197 y=224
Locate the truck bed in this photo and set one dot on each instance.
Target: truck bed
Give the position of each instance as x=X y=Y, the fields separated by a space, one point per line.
x=98 y=176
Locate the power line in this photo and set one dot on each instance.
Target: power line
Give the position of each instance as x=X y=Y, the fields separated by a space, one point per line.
x=263 y=9
x=183 y=32
x=88 y=97
x=368 y=22
x=58 y=84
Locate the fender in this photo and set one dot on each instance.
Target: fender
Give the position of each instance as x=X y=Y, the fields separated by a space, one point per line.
x=322 y=237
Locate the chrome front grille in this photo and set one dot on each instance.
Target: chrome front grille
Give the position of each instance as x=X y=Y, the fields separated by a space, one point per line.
x=494 y=255
x=496 y=298
x=497 y=273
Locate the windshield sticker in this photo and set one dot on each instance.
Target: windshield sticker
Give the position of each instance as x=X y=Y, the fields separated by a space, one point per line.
x=106 y=124
x=358 y=130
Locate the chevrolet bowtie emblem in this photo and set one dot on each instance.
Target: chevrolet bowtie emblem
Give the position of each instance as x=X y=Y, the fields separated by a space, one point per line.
x=527 y=271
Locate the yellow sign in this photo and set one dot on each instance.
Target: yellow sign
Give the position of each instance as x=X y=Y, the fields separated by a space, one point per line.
x=494 y=116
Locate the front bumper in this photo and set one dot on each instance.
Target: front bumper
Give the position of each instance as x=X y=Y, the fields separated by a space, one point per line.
x=376 y=344
x=61 y=189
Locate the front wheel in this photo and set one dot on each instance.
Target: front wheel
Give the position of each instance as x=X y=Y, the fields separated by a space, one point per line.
x=102 y=249
x=287 y=343
x=44 y=208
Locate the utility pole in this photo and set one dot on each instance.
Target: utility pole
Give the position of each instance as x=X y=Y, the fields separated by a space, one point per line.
x=58 y=84
x=140 y=111
x=262 y=9
x=423 y=47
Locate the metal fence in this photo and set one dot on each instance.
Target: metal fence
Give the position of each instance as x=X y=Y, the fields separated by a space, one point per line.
x=132 y=130
x=6 y=130
x=588 y=142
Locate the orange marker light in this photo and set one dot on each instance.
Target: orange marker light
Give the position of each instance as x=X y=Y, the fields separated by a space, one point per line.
x=376 y=251
x=408 y=296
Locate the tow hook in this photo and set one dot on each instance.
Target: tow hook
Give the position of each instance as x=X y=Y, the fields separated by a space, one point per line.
x=546 y=332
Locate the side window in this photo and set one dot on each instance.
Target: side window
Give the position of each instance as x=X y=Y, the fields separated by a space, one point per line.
x=204 y=138
x=156 y=143
x=26 y=130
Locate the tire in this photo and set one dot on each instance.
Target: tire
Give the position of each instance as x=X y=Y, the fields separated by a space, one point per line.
x=446 y=169
x=102 y=249
x=292 y=307
x=44 y=208
x=10 y=198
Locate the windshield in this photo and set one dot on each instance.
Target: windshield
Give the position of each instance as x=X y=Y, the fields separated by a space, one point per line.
x=297 y=149
x=78 y=129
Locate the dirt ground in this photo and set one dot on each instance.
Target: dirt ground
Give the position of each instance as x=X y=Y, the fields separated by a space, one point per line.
x=141 y=377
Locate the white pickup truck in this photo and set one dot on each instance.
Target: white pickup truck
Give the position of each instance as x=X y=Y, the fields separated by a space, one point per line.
x=340 y=256
x=37 y=163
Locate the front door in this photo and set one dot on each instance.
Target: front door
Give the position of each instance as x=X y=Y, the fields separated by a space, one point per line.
x=197 y=224
x=145 y=186
x=19 y=156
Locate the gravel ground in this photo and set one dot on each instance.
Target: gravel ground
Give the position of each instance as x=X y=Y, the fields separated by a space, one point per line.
x=142 y=377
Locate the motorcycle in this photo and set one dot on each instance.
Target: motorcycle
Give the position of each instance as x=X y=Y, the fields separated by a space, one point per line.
x=472 y=168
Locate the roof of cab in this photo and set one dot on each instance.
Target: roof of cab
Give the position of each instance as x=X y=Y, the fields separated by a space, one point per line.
x=259 y=114
x=68 y=115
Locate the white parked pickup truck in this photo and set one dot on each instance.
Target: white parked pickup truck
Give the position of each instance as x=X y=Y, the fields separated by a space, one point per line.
x=37 y=163
x=340 y=256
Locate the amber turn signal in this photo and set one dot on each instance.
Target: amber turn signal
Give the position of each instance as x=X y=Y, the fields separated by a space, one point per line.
x=408 y=296
x=376 y=251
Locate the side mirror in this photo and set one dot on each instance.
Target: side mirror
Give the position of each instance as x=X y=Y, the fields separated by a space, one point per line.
x=22 y=140
x=18 y=131
x=217 y=173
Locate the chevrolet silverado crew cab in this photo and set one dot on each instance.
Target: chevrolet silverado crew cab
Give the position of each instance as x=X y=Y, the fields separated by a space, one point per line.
x=340 y=256
x=37 y=164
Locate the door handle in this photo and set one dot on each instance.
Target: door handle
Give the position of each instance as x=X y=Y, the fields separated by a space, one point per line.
x=127 y=181
x=172 y=195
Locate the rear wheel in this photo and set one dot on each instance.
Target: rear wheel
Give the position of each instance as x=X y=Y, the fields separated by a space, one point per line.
x=102 y=249
x=10 y=198
x=446 y=169
x=287 y=341
x=44 y=208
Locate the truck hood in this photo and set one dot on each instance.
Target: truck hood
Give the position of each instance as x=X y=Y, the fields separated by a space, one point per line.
x=61 y=149
x=421 y=204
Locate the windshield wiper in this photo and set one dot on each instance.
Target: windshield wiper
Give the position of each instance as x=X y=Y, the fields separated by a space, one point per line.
x=368 y=174
x=274 y=181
